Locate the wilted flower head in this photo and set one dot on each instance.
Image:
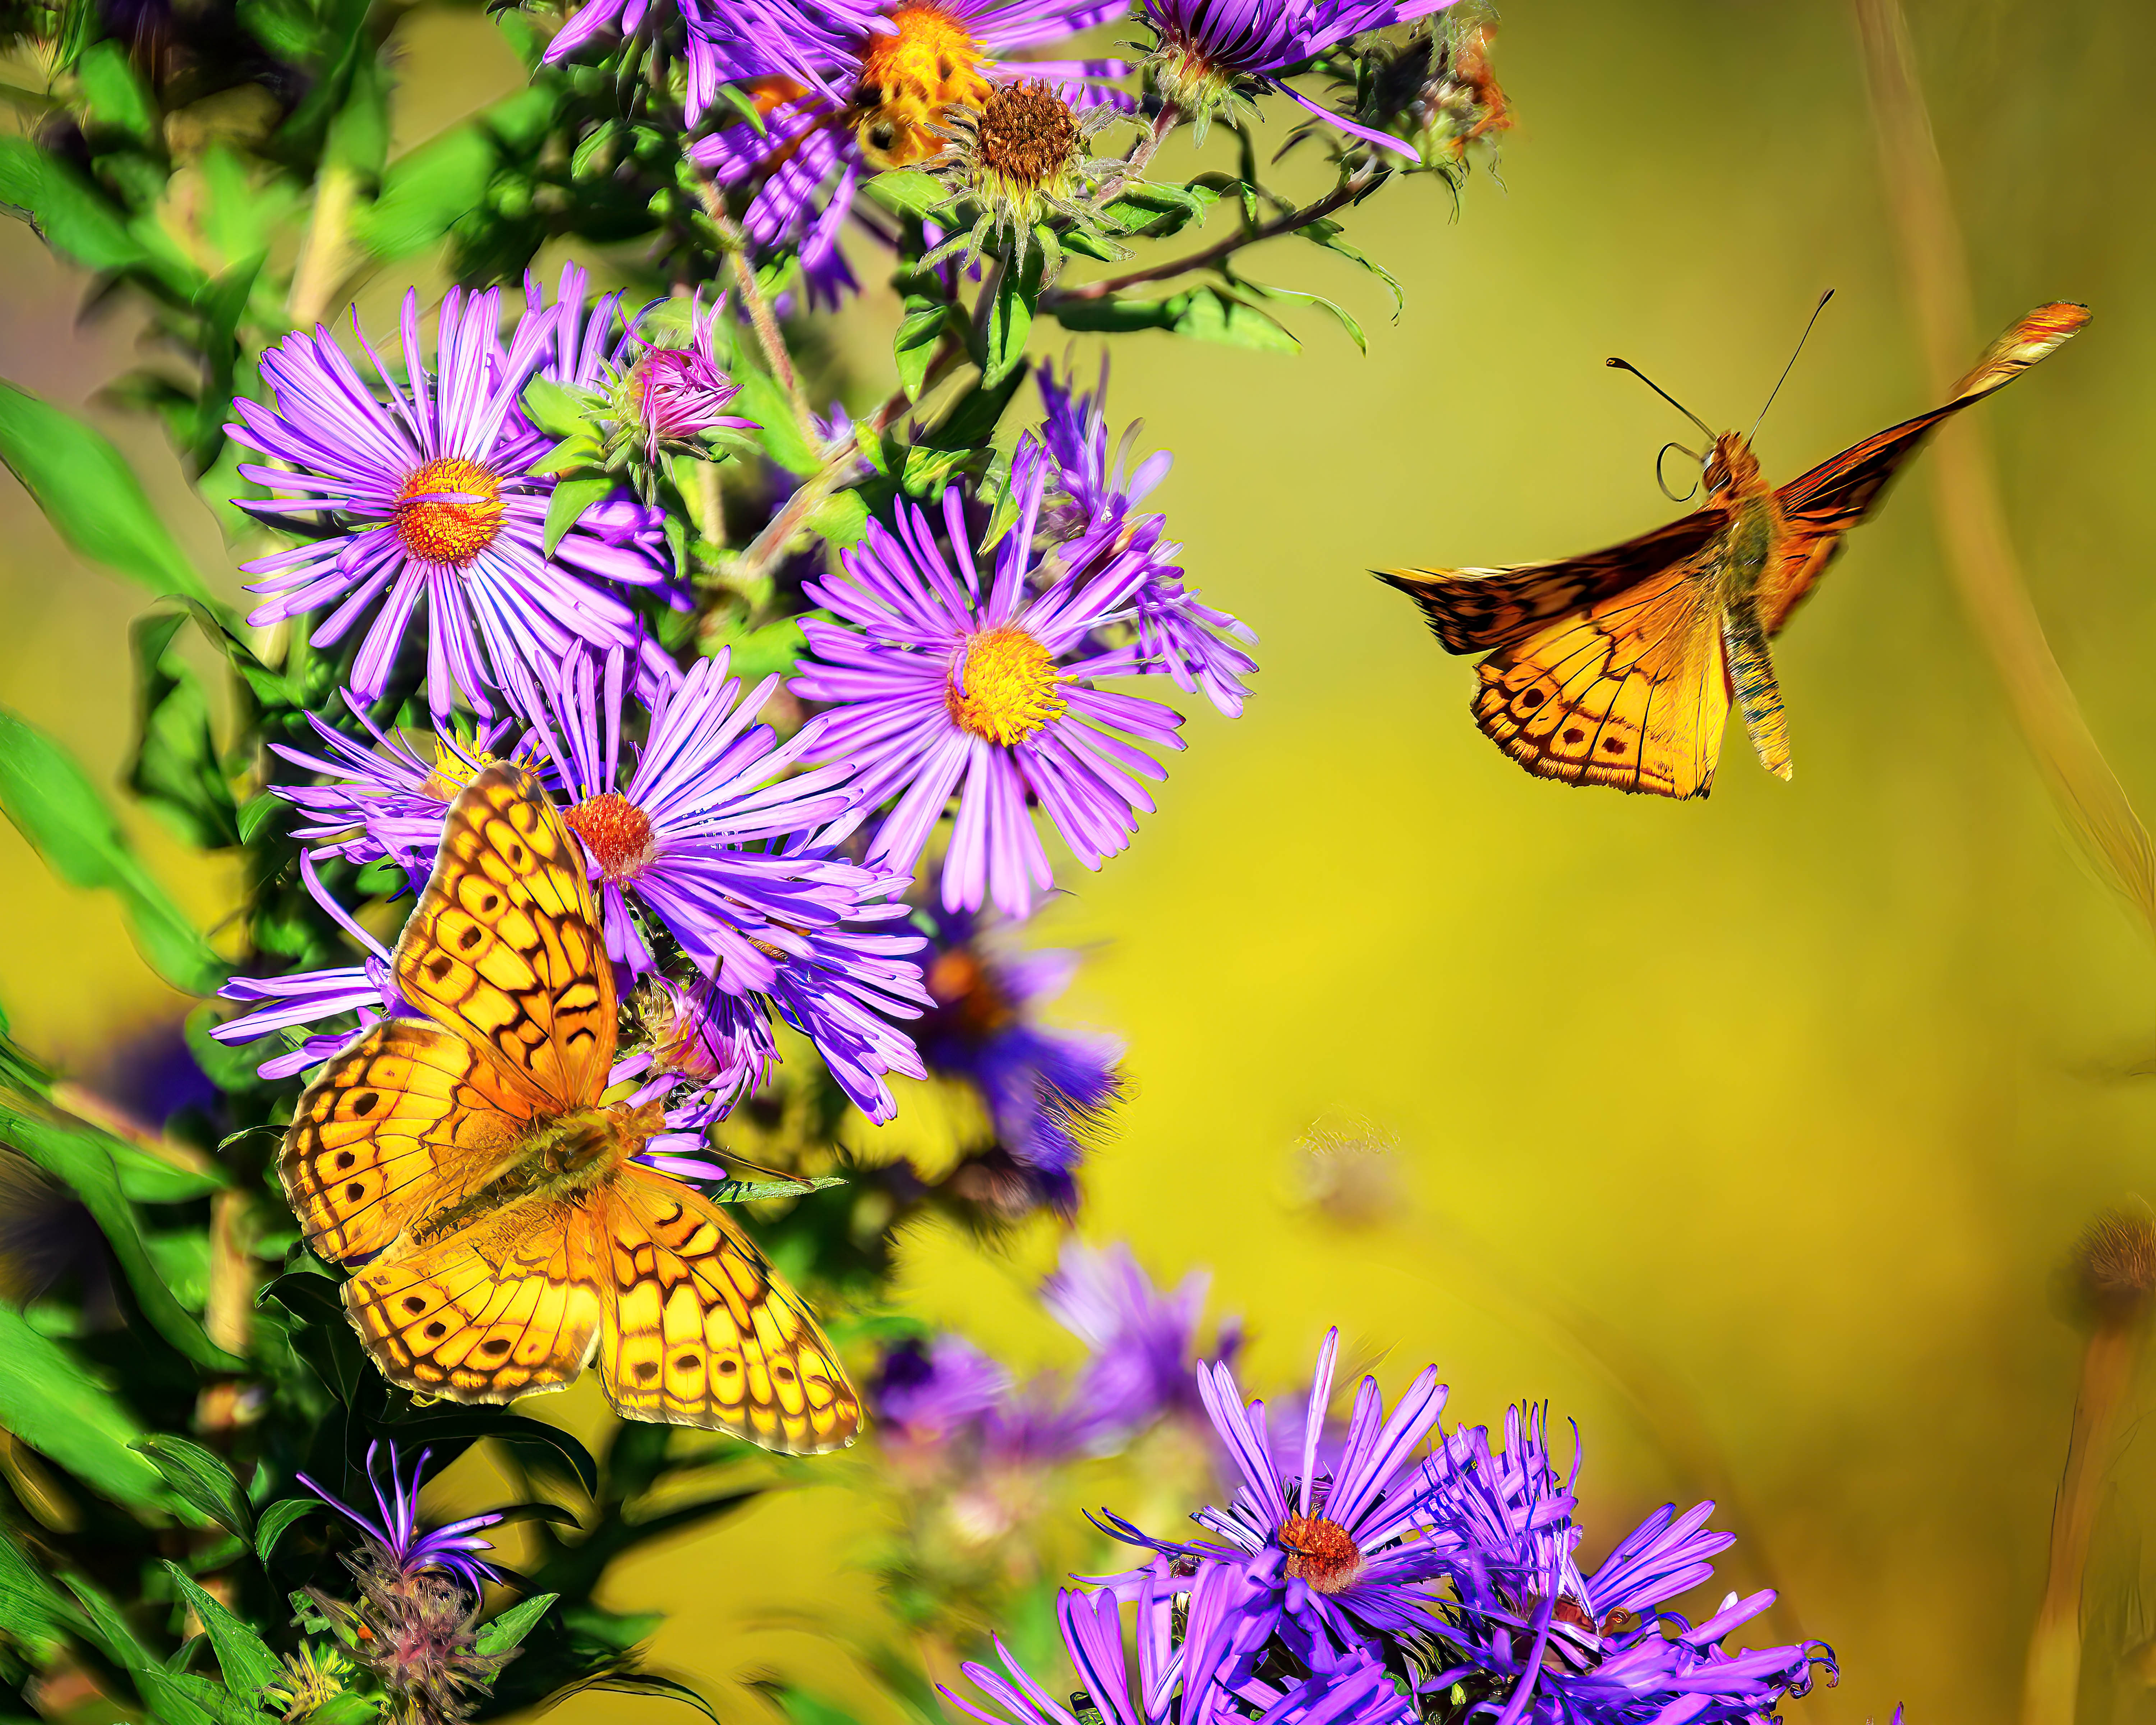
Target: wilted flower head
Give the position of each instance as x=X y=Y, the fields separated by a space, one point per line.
x=1019 y=159
x=2116 y=1265
x=1212 y=54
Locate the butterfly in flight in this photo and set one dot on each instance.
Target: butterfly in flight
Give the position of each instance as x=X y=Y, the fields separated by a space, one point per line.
x=1618 y=668
x=501 y=1235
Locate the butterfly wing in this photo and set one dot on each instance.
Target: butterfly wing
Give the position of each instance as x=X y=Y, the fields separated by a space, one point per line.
x=701 y=1331
x=1632 y=692
x=1834 y=496
x=1478 y=610
x=405 y=1121
x=506 y=1305
x=504 y=946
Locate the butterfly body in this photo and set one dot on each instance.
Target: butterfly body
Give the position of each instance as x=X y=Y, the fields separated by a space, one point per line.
x=1620 y=668
x=503 y=1235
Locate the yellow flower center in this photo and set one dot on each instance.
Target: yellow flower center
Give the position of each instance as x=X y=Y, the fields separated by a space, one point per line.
x=1005 y=689
x=928 y=63
x=616 y=832
x=449 y=529
x=1320 y=1553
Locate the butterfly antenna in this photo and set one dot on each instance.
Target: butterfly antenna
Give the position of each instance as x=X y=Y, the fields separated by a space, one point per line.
x=1792 y=365
x=1626 y=364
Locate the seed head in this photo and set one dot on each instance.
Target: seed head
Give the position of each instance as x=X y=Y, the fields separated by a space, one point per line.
x=1016 y=162
x=2117 y=1262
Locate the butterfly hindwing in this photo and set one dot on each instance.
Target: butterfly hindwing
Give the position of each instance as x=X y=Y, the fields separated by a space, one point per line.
x=506 y=1305
x=504 y=946
x=404 y=1120
x=1478 y=610
x=701 y=1331
x=1633 y=692
x=1820 y=507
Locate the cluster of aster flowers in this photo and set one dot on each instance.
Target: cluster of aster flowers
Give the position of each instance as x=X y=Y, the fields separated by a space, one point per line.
x=809 y=851
x=1393 y=1571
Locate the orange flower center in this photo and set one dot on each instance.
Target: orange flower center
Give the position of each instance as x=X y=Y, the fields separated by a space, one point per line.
x=960 y=985
x=929 y=62
x=1320 y=1552
x=452 y=772
x=617 y=834
x=1005 y=689
x=449 y=511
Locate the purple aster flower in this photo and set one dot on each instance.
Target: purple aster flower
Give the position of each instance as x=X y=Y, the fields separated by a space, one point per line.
x=675 y=395
x=384 y=801
x=1091 y=512
x=397 y=1537
x=1143 y=1342
x=730 y=39
x=1562 y=1646
x=931 y=1393
x=939 y=690
x=1343 y=1550
x=1045 y=1091
x=700 y=833
x=919 y=57
x=1211 y=52
x=430 y=489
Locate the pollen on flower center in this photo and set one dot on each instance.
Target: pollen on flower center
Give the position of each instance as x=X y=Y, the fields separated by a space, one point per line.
x=617 y=834
x=928 y=62
x=1321 y=1553
x=449 y=511
x=453 y=772
x=1005 y=687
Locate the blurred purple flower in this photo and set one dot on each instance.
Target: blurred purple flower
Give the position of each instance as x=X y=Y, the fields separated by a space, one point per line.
x=1210 y=52
x=397 y=1535
x=939 y=689
x=1046 y=1090
x=1090 y=511
x=1143 y=1342
x=433 y=503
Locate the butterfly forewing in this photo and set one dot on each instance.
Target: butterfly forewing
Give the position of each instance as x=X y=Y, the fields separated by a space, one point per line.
x=504 y=946
x=702 y=1332
x=405 y=1121
x=1836 y=495
x=1476 y=610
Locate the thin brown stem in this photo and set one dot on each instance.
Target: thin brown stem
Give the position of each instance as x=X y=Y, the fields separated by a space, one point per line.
x=1972 y=520
x=761 y=316
x=1134 y=165
x=1338 y=198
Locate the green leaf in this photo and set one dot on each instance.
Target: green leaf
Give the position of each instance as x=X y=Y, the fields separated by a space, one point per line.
x=90 y=495
x=1346 y=322
x=276 y=1522
x=202 y=1477
x=971 y=422
x=242 y=1654
x=750 y=1191
x=49 y=1401
x=69 y=214
x=514 y=1624
x=54 y=805
x=261 y=809
x=904 y=192
x=557 y=409
x=780 y=433
x=841 y=519
x=571 y=498
x=114 y=95
x=430 y=191
x=999 y=348
x=1159 y=210
x=432 y=1426
x=1205 y=314
x=928 y=470
x=213 y=1700
x=79 y=1158
x=176 y=769
x=1327 y=235
x=647 y=1683
x=919 y=332
x=348 y=1708
x=760 y=652
x=30 y=1605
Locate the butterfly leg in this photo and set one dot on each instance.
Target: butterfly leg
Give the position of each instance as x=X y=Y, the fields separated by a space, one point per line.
x=1751 y=678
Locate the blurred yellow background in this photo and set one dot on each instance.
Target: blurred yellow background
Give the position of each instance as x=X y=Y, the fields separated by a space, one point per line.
x=1751 y=1134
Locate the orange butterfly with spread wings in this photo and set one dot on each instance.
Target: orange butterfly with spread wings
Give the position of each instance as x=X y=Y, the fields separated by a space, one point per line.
x=1620 y=668
x=500 y=1232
